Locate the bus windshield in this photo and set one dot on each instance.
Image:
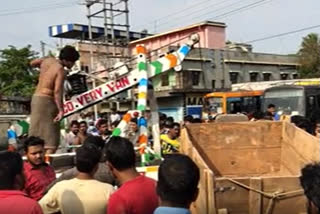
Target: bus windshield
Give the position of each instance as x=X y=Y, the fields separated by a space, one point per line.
x=287 y=101
x=243 y=104
x=213 y=105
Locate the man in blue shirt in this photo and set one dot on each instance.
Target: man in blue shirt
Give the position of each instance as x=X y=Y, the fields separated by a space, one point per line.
x=177 y=187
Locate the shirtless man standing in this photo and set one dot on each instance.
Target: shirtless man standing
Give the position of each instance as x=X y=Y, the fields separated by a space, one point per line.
x=47 y=101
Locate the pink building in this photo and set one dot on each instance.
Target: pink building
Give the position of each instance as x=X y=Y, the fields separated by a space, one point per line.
x=212 y=36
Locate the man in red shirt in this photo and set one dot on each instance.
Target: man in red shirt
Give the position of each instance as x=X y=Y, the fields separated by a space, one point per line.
x=137 y=193
x=38 y=174
x=12 y=200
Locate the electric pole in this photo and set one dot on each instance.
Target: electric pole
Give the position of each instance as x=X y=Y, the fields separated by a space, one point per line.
x=43 y=51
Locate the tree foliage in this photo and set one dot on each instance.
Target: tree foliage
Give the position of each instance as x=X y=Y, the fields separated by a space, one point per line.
x=17 y=78
x=309 y=56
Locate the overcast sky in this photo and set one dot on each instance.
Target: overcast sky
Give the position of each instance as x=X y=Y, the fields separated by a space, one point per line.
x=26 y=21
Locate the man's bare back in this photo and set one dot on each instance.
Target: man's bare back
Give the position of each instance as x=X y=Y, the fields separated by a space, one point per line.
x=51 y=79
x=49 y=69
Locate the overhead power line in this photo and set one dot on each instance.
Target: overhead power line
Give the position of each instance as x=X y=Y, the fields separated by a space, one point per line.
x=189 y=17
x=230 y=12
x=30 y=6
x=241 y=9
x=182 y=10
x=283 y=34
x=37 y=9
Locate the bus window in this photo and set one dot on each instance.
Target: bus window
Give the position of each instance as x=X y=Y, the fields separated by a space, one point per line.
x=232 y=102
x=234 y=105
x=312 y=111
x=251 y=104
x=285 y=100
x=214 y=105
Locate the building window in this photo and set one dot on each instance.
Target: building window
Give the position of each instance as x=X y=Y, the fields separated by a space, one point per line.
x=266 y=77
x=222 y=83
x=213 y=84
x=234 y=77
x=195 y=76
x=294 y=76
x=165 y=79
x=284 y=76
x=253 y=77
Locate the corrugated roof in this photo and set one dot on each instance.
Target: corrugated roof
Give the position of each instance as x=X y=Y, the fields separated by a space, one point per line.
x=78 y=31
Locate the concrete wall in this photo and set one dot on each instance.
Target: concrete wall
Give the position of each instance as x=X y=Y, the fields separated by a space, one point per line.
x=172 y=107
x=260 y=57
x=4 y=125
x=216 y=66
x=244 y=70
x=244 y=63
x=211 y=36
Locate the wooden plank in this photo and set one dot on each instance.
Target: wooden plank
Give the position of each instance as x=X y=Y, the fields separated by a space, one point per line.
x=255 y=199
x=239 y=135
x=234 y=144
x=210 y=192
x=236 y=200
x=201 y=204
x=234 y=162
x=298 y=149
x=294 y=203
x=202 y=200
x=223 y=211
x=186 y=146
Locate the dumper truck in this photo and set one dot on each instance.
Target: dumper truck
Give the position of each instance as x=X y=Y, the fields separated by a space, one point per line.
x=249 y=167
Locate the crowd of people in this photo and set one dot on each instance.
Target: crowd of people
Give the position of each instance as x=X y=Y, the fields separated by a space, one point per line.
x=104 y=180
x=79 y=130
x=310 y=125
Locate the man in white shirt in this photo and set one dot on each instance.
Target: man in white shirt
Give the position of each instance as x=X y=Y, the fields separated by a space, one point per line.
x=114 y=116
x=82 y=194
x=72 y=135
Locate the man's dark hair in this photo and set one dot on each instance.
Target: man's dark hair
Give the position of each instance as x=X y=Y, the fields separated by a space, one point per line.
x=69 y=53
x=188 y=118
x=170 y=119
x=10 y=166
x=169 y=124
x=196 y=120
x=83 y=122
x=162 y=116
x=120 y=153
x=310 y=182
x=317 y=121
x=102 y=122
x=32 y=141
x=178 y=180
x=303 y=123
x=87 y=157
x=95 y=140
x=271 y=106
x=296 y=119
x=74 y=122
